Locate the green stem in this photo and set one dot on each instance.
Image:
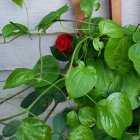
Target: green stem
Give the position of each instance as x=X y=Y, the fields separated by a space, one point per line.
x=72 y=60
x=27 y=13
x=81 y=21
x=5 y=42
x=14 y=95
x=43 y=93
x=11 y=117
x=40 y=52
x=91 y=99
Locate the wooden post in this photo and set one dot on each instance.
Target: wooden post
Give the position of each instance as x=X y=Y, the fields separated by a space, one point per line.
x=115 y=11
x=77 y=10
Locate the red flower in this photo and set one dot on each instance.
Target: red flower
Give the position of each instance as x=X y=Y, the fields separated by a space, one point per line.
x=64 y=43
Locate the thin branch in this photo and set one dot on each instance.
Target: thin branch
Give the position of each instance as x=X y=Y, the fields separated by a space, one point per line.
x=14 y=95
x=51 y=111
x=11 y=117
x=40 y=53
x=81 y=21
x=5 y=42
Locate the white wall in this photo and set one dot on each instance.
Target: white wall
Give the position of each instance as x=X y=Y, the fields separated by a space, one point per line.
x=23 y=52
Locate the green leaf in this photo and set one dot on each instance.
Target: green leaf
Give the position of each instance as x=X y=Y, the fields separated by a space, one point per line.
x=136 y=37
x=18 y=77
x=59 y=97
x=81 y=133
x=50 y=71
x=98 y=45
x=87 y=116
x=96 y=5
x=107 y=80
x=110 y=28
x=57 y=137
x=11 y=128
x=86 y=7
x=114 y=114
x=18 y=2
x=126 y=137
x=116 y=54
x=134 y=56
x=59 y=123
x=33 y=129
x=130 y=29
x=13 y=138
x=72 y=119
x=40 y=106
x=63 y=56
x=76 y=79
x=100 y=134
x=91 y=29
x=131 y=87
x=48 y=20
x=14 y=29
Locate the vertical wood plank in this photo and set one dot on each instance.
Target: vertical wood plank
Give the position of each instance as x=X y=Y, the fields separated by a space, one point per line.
x=116 y=11
x=77 y=10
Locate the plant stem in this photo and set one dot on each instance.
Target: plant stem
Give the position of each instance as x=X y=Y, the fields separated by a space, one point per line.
x=81 y=21
x=27 y=13
x=12 y=96
x=51 y=111
x=7 y=124
x=72 y=59
x=91 y=99
x=43 y=93
x=40 y=52
x=11 y=117
x=5 y=42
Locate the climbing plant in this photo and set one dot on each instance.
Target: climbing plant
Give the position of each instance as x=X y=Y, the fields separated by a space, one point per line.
x=100 y=81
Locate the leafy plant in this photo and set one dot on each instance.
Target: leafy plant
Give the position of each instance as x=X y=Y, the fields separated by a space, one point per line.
x=101 y=75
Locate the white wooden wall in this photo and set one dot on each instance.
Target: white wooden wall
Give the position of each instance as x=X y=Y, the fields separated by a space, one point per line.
x=23 y=52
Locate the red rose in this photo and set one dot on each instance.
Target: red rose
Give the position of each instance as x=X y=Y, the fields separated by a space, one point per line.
x=64 y=43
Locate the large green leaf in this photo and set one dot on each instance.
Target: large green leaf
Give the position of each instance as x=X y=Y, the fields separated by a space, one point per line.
x=81 y=133
x=86 y=7
x=11 y=128
x=33 y=129
x=18 y=2
x=107 y=80
x=131 y=87
x=50 y=71
x=48 y=20
x=114 y=114
x=116 y=54
x=80 y=81
x=110 y=28
x=13 y=29
x=72 y=119
x=40 y=106
x=136 y=37
x=87 y=116
x=59 y=123
x=18 y=77
x=134 y=56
